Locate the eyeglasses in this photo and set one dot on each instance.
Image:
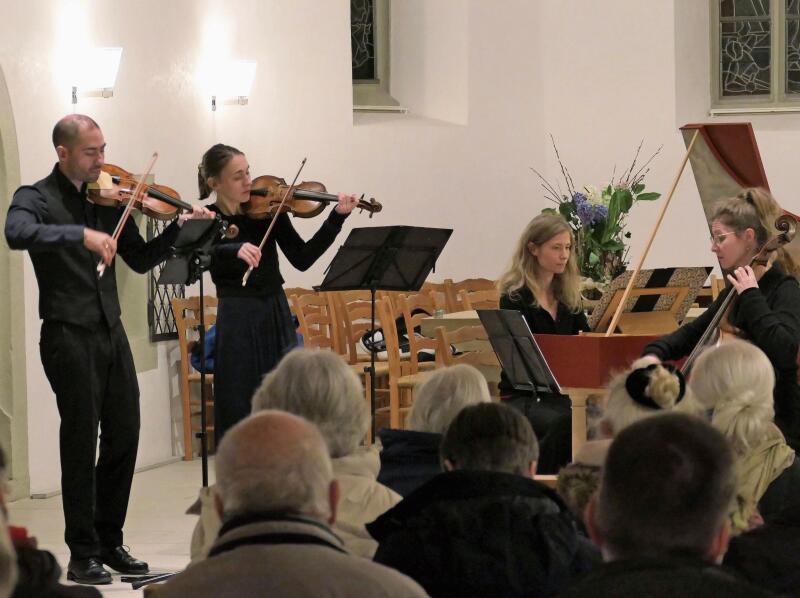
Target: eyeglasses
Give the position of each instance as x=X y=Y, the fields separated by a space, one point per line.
x=718 y=239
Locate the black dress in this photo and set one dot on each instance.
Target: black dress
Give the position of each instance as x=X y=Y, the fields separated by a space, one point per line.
x=551 y=417
x=254 y=325
x=769 y=316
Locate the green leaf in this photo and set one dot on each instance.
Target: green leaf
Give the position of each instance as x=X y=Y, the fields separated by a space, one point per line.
x=566 y=209
x=593 y=258
x=613 y=245
x=638 y=188
x=549 y=211
x=648 y=196
x=625 y=200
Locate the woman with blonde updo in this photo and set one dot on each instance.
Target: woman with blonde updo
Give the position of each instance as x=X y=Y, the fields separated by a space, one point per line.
x=543 y=284
x=766 y=310
x=735 y=381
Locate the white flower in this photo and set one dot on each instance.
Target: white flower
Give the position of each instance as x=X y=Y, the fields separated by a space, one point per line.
x=593 y=195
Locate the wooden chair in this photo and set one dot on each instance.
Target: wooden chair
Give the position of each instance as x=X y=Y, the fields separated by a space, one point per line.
x=353 y=311
x=472 y=344
x=187 y=321
x=438 y=291
x=486 y=299
x=452 y=290
x=399 y=380
x=408 y=304
x=717 y=286
x=316 y=319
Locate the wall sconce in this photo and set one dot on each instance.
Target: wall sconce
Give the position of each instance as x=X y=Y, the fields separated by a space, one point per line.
x=234 y=83
x=97 y=73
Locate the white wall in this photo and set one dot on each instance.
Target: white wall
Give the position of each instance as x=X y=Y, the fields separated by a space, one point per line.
x=486 y=83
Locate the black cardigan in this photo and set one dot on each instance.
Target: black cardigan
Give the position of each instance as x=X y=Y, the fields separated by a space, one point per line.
x=769 y=316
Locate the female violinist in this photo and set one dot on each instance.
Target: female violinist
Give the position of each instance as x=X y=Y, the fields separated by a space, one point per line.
x=543 y=283
x=254 y=326
x=766 y=310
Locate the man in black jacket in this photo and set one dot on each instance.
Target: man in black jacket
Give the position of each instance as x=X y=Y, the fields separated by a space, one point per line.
x=660 y=516
x=83 y=346
x=484 y=527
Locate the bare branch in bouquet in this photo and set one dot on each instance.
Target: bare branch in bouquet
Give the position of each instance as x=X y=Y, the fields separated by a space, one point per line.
x=564 y=170
x=551 y=192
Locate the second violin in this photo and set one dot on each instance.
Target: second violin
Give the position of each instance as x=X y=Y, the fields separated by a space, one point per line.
x=306 y=200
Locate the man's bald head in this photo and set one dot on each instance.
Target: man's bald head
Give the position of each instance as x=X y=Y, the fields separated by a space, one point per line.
x=274 y=461
x=68 y=129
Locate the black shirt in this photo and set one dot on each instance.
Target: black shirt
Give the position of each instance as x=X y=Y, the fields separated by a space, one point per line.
x=48 y=219
x=227 y=269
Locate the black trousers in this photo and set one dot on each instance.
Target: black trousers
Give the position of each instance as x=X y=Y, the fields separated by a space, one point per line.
x=551 y=420
x=94 y=380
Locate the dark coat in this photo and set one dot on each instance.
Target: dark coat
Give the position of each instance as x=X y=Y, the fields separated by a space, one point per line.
x=39 y=575
x=769 y=556
x=408 y=459
x=481 y=533
x=665 y=577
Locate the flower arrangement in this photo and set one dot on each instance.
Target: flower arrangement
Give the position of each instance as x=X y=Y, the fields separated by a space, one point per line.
x=598 y=216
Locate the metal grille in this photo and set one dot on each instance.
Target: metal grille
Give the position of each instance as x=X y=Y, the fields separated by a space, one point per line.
x=159 y=309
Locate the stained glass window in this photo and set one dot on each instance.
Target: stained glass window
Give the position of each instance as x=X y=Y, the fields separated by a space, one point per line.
x=745 y=47
x=793 y=46
x=362 y=39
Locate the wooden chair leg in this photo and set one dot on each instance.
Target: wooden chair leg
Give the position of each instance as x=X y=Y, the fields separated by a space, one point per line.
x=188 y=445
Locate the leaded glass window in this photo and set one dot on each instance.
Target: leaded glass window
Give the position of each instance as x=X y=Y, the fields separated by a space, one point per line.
x=745 y=47
x=756 y=55
x=362 y=39
x=159 y=306
x=793 y=46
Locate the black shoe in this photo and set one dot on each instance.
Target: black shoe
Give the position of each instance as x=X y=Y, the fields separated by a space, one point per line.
x=119 y=559
x=89 y=571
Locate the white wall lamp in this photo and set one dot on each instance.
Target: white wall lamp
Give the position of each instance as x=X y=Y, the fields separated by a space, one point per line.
x=234 y=83
x=96 y=73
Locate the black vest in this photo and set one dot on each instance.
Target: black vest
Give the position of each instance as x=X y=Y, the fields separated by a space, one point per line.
x=69 y=289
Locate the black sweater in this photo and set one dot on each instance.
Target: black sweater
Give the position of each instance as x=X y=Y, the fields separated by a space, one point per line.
x=227 y=270
x=769 y=316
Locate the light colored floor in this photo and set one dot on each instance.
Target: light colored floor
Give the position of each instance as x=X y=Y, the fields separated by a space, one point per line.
x=156 y=529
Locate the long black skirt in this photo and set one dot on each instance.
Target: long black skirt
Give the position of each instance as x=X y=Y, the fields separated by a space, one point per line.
x=253 y=334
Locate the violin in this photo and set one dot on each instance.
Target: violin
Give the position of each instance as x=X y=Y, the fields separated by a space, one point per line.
x=117 y=188
x=788 y=227
x=306 y=200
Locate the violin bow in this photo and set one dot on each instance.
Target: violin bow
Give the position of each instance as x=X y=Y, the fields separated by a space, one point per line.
x=137 y=194
x=275 y=218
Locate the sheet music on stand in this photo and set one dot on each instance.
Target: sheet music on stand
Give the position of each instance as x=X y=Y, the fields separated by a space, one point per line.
x=518 y=352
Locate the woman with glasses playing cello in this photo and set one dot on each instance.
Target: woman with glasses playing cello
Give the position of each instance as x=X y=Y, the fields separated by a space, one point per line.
x=766 y=310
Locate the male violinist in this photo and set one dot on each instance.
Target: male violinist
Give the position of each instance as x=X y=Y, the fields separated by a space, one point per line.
x=83 y=346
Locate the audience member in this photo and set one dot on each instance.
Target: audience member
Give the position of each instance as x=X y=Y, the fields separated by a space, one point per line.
x=36 y=572
x=735 y=380
x=411 y=457
x=644 y=390
x=484 y=527
x=660 y=516
x=277 y=496
x=320 y=387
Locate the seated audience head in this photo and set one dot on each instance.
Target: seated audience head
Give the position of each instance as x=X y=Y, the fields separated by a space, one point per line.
x=320 y=387
x=490 y=437
x=667 y=487
x=644 y=390
x=545 y=248
x=274 y=461
x=442 y=394
x=735 y=380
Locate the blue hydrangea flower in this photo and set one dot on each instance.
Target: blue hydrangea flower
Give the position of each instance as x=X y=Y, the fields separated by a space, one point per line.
x=588 y=213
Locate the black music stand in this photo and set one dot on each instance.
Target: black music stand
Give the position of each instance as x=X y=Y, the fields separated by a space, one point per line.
x=518 y=352
x=385 y=258
x=189 y=258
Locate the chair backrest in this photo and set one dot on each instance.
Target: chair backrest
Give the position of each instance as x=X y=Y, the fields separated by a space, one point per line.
x=316 y=319
x=486 y=299
x=438 y=291
x=472 y=344
x=426 y=304
x=353 y=311
x=187 y=321
x=454 y=303
x=385 y=315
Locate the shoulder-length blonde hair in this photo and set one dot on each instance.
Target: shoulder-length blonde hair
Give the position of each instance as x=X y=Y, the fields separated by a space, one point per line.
x=522 y=271
x=755 y=208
